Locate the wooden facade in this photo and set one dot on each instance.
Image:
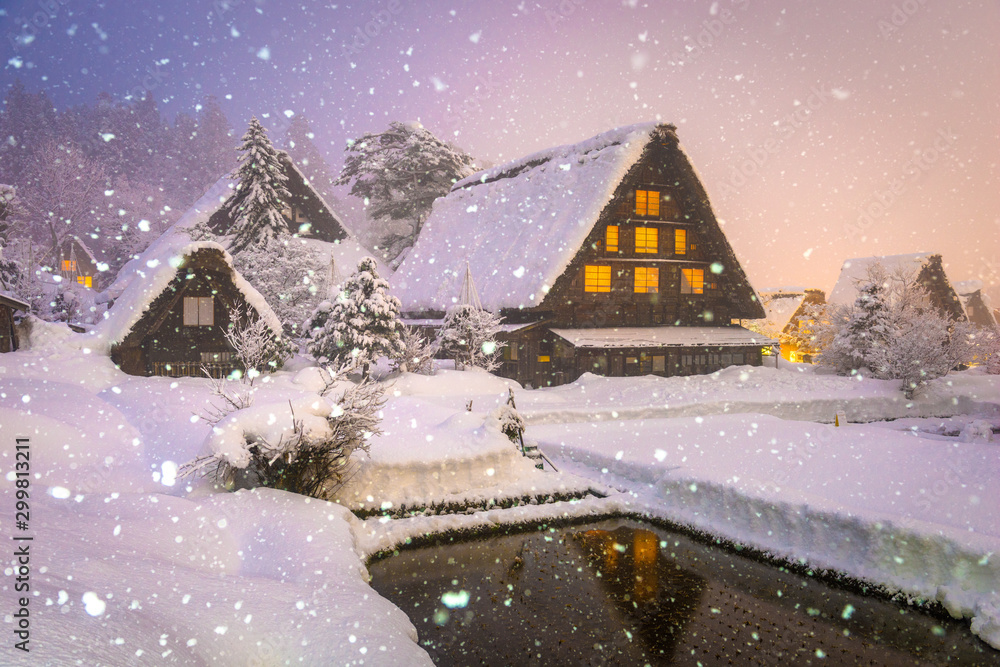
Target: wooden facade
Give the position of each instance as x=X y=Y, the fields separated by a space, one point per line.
x=654 y=258
x=307 y=214
x=183 y=330
x=8 y=331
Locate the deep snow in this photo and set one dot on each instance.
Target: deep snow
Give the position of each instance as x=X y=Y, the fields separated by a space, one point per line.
x=131 y=565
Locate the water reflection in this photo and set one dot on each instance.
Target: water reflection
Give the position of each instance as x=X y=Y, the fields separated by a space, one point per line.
x=620 y=593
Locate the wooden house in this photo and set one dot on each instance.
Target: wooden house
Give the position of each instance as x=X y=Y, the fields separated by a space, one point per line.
x=603 y=257
x=306 y=213
x=786 y=319
x=174 y=307
x=976 y=304
x=9 y=304
x=927 y=269
x=74 y=262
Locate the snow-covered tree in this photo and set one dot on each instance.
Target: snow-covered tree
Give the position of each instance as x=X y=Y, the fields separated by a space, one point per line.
x=400 y=172
x=258 y=348
x=135 y=214
x=291 y=275
x=468 y=335
x=852 y=333
x=8 y=204
x=361 y=325
x=417 y=355
x=255 y=206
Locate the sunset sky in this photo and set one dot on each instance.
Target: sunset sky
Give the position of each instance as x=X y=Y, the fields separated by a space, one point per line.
x=822 y=130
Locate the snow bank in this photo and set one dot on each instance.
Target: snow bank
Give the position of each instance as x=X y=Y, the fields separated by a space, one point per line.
x=886 y=507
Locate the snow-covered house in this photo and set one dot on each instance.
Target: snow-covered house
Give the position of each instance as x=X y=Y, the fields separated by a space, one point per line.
x=172 y=306
x=9 y=304
x=786 y=311
x=976 y=302
x=74 y=262
x=927 y=268
x=602 y=256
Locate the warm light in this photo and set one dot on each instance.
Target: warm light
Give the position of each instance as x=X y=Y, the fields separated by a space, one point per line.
x=597 y=279
x=647 y=280
x=647 y=202
x=680 y=242
x=692 y=281
x=646 y=239
x=611 y=238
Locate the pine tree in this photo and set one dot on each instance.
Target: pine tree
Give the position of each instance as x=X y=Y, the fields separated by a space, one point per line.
x=400 y=172
x=361 y=325
x=256 y=205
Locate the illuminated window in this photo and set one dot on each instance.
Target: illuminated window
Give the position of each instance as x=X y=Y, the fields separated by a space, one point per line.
x=647 y=202
x=510 y=352
x=680 y=241
x=647 y=280
x=199 y=311
x=611 y=238
x=544 y=358
x=597 y=279
x=646 y=239
x=692 y=281
x=86 y=281
x=69 y=265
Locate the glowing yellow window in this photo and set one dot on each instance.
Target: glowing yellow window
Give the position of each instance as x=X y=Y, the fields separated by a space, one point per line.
x=86 y=281
x=647 y=280
x=647 y=202
x=69 y=265
x=647 y=239
x=680 y=242
x=542 y=358
x=611 y=238
x=597 y=279
x=692 y=281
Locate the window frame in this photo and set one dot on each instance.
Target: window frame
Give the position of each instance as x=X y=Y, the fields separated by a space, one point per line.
x=680 y=241
x=650 y=240
x=649 y=283
x=608 y=245
x=594 y=276
x=688 y=283
x=198 y=311
x=650 y=204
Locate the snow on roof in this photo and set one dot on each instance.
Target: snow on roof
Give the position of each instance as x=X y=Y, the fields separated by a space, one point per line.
x=329 y=209
x=966 y=288
x=539 y=208
x=153 y=271
x=781 y=306
x=662 y=337
x=855 y=271
x=8 y=299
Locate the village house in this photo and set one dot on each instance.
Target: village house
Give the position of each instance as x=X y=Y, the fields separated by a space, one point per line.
x=174 y=305
x=926 y=268
x=9 y=304
x=976 y=303
x=74 y=262
x=787 y=319
x=602 y=257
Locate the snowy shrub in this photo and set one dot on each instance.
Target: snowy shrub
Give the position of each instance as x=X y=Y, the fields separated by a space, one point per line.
x=978 y=430
x=361 y=325
x=417 y=355
x=305 y=448
x=510 y=422
x=468 y=335
x=258 y=348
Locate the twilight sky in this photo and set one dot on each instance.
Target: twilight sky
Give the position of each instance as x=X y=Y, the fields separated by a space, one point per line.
x=822 y=130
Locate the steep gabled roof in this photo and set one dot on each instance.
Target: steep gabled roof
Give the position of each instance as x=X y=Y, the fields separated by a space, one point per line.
x=783 y=305
x=977 y=304
x=145 y=278
x=521 y=224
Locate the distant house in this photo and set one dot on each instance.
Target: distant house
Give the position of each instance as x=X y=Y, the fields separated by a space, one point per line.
x=9 y=304
x=977 y=304
x=173 y=307
x=603 y=257
x=787 y=312
x=927 y=268
x=74 y=262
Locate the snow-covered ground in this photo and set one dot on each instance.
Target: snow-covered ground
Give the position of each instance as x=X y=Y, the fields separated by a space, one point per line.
x=131 y=565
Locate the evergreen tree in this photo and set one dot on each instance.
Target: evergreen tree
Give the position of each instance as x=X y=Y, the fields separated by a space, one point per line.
x=256 y=205
x=361 y=325
x=400 y=172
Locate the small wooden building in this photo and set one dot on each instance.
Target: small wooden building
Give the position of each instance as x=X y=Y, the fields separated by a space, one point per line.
x=307 y=213
x=977 y=304
x=171 y=316
x=602 y=257
x=787 y=311
x=9 y=304
x=927 y=269
x=74 y=262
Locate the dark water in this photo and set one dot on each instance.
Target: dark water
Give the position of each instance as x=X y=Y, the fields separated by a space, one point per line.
x=623 y=593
